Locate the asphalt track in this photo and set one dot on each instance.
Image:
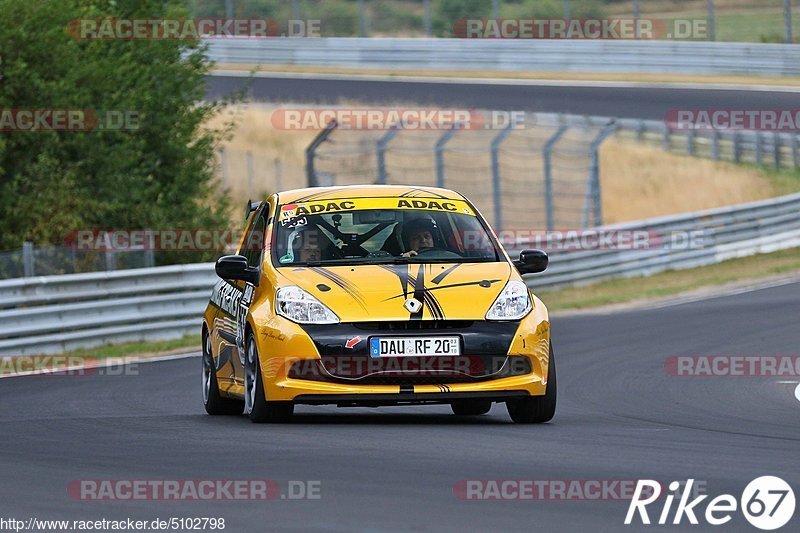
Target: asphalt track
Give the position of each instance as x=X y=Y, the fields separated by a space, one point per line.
x=620 y=417
x=647 y=102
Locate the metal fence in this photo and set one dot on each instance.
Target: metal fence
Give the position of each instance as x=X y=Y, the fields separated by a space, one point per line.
x=31 y=260
x=60 y=313
x=743 y=20
x=658 y=57
x=541 y=173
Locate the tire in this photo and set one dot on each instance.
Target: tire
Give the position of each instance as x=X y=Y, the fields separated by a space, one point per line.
x=471 y=407
x=213 y=401
x=256 y=405
x=536 y=409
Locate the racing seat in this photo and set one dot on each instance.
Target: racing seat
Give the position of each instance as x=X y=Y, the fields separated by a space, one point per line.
x=394 y=242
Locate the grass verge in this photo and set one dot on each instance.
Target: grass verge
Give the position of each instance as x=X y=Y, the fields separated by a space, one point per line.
x=673 y=282
x=142 y=349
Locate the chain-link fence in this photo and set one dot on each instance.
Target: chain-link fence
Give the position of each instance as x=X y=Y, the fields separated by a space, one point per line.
x=721 y=20
x=542 y=172
x=29 y=261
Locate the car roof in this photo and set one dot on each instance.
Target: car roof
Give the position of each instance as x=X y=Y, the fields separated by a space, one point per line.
x=365 y=191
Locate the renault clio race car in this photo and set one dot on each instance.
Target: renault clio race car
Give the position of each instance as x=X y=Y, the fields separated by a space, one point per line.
x=370 y=296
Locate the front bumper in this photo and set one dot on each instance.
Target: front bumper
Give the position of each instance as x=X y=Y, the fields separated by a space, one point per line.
x=527 y=340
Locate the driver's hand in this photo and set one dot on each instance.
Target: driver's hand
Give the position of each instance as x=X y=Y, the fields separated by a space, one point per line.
x=410 y=253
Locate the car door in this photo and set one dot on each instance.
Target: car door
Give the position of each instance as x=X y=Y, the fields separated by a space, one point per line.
x=233 y=299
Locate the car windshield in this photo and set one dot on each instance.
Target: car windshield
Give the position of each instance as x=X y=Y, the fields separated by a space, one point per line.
x=364 y=232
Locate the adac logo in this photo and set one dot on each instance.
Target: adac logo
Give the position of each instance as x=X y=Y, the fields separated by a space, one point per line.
x=413 y=305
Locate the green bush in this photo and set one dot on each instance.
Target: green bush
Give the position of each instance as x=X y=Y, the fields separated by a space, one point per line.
x=157 y=176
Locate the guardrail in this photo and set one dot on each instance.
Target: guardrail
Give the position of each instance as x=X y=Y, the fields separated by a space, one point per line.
x=56 y=314
x=499 y=54
x=59 y=313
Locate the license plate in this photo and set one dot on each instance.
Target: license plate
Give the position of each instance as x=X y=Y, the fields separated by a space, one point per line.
x=413 y=346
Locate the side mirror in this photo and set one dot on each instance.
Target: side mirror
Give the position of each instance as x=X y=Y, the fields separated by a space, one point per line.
x=235 y=267
x=531 y=261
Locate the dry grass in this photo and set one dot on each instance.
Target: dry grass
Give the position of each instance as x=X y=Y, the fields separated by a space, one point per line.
x=638 y=181
x=642 y=181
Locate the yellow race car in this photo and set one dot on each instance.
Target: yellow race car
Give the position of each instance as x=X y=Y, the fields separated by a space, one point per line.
x=370 y=296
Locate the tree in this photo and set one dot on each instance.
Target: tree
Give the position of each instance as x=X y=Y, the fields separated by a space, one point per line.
x=159 y=175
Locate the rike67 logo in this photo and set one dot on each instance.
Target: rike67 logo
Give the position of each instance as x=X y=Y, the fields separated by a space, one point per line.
x=767 y=503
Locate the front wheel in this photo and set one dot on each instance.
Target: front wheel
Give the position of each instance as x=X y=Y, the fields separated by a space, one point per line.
x=214 y=403
x=536 y=409
x=256 y=405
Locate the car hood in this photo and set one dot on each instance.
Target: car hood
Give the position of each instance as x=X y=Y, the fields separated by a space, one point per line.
x=453 y=291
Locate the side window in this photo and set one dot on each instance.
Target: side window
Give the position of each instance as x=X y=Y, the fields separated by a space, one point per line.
x=253 y=244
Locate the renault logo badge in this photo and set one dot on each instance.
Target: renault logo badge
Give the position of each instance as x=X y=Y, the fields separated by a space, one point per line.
x=413 y=305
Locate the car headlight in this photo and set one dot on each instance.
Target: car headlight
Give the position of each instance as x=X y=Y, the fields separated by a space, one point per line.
x=299 y=306
x=513 y=302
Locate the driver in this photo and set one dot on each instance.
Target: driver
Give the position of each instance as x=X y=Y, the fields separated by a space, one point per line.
x=305 y=245
x=418 y=236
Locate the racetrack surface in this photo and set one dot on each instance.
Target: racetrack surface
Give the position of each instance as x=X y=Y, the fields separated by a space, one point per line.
x=620 y=416
x=623 y=102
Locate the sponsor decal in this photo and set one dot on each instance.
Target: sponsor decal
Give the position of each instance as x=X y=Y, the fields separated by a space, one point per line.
x=290 y=212
x=351 y=343
x=227 y=297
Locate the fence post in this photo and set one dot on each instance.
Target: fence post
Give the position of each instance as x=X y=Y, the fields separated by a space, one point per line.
x=737 y=147
x=795 y=154
x=311 y=152
x=223 y=165
x=28 y=262
x=278 y=175
x=439 y=153
x=758 y=148
x=362 y=19
x=667 y=139
x=149 y=254
x=690 y=142
x=712 y=30
x=776 y=149
x=381 y=152
x=593 y=191
x=640 y=127
x=250 y=172
x=111 y=254
x=787 y=15
x=547 y=152
x=715 y=145
x=496 y=196
x=426 y=16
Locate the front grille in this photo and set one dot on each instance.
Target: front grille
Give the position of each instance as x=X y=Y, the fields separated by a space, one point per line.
x=368 y=373
x=410 y=325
